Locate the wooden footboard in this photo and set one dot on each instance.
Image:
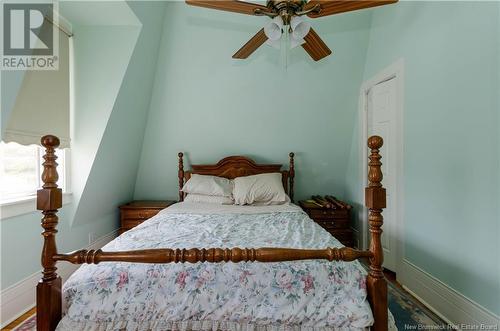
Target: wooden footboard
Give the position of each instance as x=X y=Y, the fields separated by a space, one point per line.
x=49 y=200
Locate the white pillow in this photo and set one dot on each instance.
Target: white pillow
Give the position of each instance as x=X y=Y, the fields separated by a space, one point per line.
x=268 y=203
x=208 y=185
x=201 y=198
x=265 y=189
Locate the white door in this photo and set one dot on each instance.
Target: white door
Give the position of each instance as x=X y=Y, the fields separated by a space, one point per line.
x=382 y=122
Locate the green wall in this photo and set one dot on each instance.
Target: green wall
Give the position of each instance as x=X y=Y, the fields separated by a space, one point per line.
x=114 y=73
x=451 y=142
x=209 y=106
x=21 y=242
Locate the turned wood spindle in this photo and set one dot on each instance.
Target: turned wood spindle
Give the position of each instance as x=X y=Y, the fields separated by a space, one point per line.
x=181 y=176
x=213 y=255
x=375 y=201
x=49 y=200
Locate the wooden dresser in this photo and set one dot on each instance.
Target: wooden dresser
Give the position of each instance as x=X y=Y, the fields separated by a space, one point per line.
x=335 y=221
x=136 y=212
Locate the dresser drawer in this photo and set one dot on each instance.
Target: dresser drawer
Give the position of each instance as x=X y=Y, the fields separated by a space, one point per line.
x=136 y=212
x=139 y=214
x=328 y=213
x=334 y=224
x=347 y=243
x=129 y=224
x=342 y=235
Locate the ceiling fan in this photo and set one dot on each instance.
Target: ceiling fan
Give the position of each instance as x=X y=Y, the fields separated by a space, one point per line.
x=287 y=18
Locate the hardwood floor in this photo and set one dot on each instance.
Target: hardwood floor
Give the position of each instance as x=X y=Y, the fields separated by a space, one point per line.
x=20 y=319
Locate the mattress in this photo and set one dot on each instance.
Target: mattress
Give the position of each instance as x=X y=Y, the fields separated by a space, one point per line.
x=297 y=295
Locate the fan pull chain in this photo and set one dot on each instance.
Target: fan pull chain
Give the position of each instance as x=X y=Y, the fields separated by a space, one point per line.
x=285 y=46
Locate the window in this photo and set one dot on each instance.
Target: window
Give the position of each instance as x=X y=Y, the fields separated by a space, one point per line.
x=21 y=169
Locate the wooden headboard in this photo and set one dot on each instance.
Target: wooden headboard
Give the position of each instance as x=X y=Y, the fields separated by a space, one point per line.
x=237 y=166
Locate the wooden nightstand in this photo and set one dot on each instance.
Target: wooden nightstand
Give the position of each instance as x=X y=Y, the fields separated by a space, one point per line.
x=335 y=221
x=136 y=212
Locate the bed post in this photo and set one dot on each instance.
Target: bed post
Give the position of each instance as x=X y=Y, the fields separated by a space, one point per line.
x=375 y=202
x=180 y=174
x=49 y=200
x=291 y=174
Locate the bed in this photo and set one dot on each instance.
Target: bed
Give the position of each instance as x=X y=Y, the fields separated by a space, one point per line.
x=138 y=284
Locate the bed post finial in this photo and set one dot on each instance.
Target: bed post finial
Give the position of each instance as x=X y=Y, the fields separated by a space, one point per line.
x=375 y=202
x=291 y=173
x=49 y=200
x=181 y=176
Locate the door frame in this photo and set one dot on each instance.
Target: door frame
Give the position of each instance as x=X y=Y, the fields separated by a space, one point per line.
x=393 y=71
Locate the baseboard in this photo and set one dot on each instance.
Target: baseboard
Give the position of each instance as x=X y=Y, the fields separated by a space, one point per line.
x=17 y=299
x=452 y=306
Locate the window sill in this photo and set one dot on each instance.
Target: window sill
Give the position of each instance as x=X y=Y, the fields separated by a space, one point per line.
x=25 y=205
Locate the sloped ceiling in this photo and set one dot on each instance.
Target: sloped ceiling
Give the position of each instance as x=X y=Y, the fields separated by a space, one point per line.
x=115 y=47
x=111 y=130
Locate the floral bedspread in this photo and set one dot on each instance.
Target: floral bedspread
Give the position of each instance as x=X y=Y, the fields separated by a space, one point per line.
x=302 y=295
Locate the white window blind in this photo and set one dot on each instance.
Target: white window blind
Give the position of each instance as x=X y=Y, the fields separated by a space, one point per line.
x=43 y=102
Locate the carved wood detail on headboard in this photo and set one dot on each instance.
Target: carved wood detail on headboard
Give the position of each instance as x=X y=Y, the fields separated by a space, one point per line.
x=236 y=166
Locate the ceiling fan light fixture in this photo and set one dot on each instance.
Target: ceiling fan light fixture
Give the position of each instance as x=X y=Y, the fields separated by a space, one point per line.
x=283 y=12
x=274 y=28
x=300 y=27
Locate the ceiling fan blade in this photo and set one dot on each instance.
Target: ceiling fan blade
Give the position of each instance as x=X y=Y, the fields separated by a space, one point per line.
x=331 y=7
x=229 y=5
x=315 y=46
x=251 y=45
